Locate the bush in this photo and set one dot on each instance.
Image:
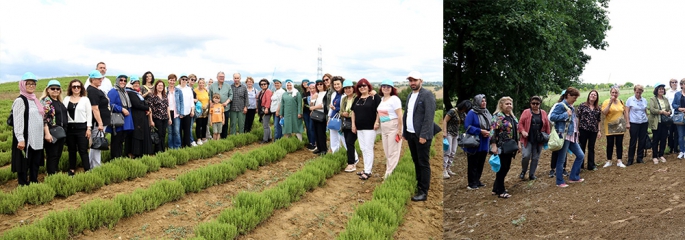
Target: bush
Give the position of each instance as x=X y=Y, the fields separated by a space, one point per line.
x=9 y=202
x=89 y=181
x=249 y=210
x=161 y=192
x=36 y=193
x=111 y=173
x=56 y=223
x=166 y=160
x=152 y=163
x=30 y=232
x=133 y=168
x=193 y=181
x=216 y=230
x=6 y=174
x=63 y=184
x=130 y=204
x=180 y=155
x=100 y=212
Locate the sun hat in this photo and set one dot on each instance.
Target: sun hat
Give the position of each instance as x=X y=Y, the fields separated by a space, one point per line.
x=388 y=82
x=414 y=75
x=54 y=82
x=288 y=81
x=28 y=76
x=276 y=80
x=311 y=84
x=305 y=80
x=659 y=84
x=182 y=75
x=347 y=83
x=95 y=74
x=134 y=78
x=122 y=76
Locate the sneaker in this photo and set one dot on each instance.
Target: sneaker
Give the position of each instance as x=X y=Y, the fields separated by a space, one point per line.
x=551 y=173
x=663 y=160
x=681 y=155
x=565 y=173
x=620 y=164
x=350 y=168
x=577 y=181
x=356 y=161
x=449 y=171
x=193 y=144
x=445 y=175
x=563 y=185
x=199 y=142
x=655 y=160
x=314 y=149
x=472 y=187
x=480 y=184
x=607 y=164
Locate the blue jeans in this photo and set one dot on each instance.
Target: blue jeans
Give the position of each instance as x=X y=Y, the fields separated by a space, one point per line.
x=192 y=121
x=175 y=133
x=681 y=141
x=310 y=128
x=575 y=169
x=278 y=133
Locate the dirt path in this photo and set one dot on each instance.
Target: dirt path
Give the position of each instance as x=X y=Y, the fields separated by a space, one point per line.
x=33 y=212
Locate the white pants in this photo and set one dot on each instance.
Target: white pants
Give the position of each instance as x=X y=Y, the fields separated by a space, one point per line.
x=337 y=140
x=366 y=139
x=95 y=155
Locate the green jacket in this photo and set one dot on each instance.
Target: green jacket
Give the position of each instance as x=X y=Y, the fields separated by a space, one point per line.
x=653 y=116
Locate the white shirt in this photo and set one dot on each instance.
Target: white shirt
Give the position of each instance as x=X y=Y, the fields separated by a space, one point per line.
x=83 y=113
x=276 y=99
x=104 y=87
x=670 y=95
x=188 y=103
x=410 y=112
x=386 y=110
x=319 y=100
x=638 y=109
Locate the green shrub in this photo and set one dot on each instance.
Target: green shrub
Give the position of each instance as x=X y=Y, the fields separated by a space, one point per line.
x=225 y=172
x=130 y=204
x=10 y=202
x=193 y=181
x=6 y=174
x=216 y=231
x=98 y=212
x=359 y=230
x=278 y=196
x=249 y=210
x=36 y=193
x=63 y=184
x=161 y=192
x=152 y=163
x=57 y=223
x=111 y=173
x=166 y=160
x=89 y=181
x=261 y=156
x=29 y=232
x=180 y=155
x=133 y=168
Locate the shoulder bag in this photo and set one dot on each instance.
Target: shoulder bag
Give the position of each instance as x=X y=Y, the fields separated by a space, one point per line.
x=117 y=119
x=154 y=136
x=318 y=116
x=555 y=142
x=334 y=123
x=99 y=141
x=57 y=133
x=466 y=140
x=664 y=119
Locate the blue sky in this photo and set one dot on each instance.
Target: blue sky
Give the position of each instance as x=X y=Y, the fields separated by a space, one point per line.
x=376 y=40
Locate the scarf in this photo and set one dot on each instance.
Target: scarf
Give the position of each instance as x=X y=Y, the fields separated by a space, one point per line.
x=31 y=96
x=137 y=94
x=293 y=92
x=123 y=97
x=484 y=115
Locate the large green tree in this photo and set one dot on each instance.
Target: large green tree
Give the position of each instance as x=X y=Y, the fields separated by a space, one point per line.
x=518 y=48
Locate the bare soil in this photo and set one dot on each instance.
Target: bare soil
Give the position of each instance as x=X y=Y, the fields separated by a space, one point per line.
x=642 y=201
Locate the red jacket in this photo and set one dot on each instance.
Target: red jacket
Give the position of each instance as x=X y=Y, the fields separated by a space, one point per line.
x=524 y=124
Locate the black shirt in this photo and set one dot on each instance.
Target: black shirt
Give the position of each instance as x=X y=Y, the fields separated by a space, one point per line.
x=98 y=98
x=365 y=111
x=535 y=127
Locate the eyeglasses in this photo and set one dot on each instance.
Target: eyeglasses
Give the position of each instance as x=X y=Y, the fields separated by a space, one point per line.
x=674 y=82
x=55 y=89
x=263 y=84
x=319 y=84
x=535 y=103
x=326 y=79
x=76 y=87
x=122 y=80
x=31 y=84
x=184 y=79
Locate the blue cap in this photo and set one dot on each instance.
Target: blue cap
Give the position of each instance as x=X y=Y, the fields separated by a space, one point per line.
x=28 y=76
x=276 y=80
x=659 y=84
x=347 y=83
x=319 y=80
x=95 y=74
x=183 y=75
x=305 y=80
x=288 y=81
x=388 y=82
x=134 y=78
x=54 y=82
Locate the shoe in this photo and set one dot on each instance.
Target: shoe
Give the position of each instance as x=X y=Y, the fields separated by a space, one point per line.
x=480 y=185
x=350 y=168
x=655 y=160
x=311 y=148
x=593 y=169
x=365 y=176
x=445 y=175
x=551 y=173
x=419 y=197
x=522 y=176
x=70 y=173
x=472 y=187
x=356 y=161
x=449 y=171
x=316 y=151
x=607 y=164
x=531 y=178
x=681 y=155
x=563 y=185
x=321 y=153
x=504 y=195
x=193 y=144
x=577 y=181
x=199 y=142
x=565 y=173
x=640 y=161
x=620 y=164
x=663 y=160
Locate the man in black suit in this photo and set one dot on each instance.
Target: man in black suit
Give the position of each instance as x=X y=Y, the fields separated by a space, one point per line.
x=419 y=129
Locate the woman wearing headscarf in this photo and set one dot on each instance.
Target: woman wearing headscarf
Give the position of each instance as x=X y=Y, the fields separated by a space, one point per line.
x=336 y=138
x=533 y=123
x=636 y=106
x=477 y=123
x=291 y=111
x=55 y=115
x=29 y=132
x=563 y=115
x=658 y=106
x=365 y=123
x=451 y=122
x=139 y=142
x=120 y=103
x=589 y=118
x=80 y=116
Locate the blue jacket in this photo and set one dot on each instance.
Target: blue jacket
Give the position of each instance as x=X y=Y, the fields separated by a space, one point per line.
x=676 y=100
x=472 y=126
x=115 y=105
x=559 y=117
x=178 y=97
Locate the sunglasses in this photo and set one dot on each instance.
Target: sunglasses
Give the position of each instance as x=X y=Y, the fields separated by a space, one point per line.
x=263 y=84
x=674 y=82
x=55 y=89
x=535 y=103
x=363 y=86
x=193 y=79
x=326 y=80
x=319 y=84
x=122 y=80
x=76 y=87
x=184 y=79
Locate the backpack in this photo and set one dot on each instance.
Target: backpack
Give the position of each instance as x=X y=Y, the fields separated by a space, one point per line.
x=10 y=119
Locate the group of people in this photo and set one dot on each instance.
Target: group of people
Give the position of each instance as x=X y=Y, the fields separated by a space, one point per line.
x=579 y=126
x=133 y=110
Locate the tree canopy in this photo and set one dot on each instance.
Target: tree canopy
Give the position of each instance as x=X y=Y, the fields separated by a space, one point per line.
x=518 y=48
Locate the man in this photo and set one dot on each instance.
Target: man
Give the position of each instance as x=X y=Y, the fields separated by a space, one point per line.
x=419 y=129
x=101 y=113
x=238 y=105
x=226 y=97
x=106 y=83
x=673 y=130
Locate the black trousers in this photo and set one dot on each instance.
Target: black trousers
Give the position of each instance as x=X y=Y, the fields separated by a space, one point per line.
x=617 y=141
x=185 y=131
x=53 y=152
x=249 y=119
x=420 y=156
x=320 y=130
x=588 y=138
x=161 y=125
x=553 y=161
x=505 y=162
x=638 y=133
x=224 y=128
x=201 y=127
x=476 y=161
x=77 y=142
x=35 y=158
x=350 y=138
x=659 y=140
x=116 y=148
x=673 y=139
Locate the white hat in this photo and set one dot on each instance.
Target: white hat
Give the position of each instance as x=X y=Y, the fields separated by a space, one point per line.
x=414 y=75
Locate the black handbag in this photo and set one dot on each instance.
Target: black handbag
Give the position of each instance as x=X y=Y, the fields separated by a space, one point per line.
x=154 y=136
x=509 y=146
x=466 y=140
x=117 y=119
x=543 y=137
x=318 y=116
x=648 y=143
x=100 y=142
x=57 y=133
x=346 y=123
x=667 y=120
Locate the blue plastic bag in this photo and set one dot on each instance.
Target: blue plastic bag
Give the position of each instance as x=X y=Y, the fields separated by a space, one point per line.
x=445 y=145
x=494 y=163
x=282 y=121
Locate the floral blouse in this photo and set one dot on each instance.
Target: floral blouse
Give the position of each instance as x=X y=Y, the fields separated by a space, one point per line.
x=49 y=117
x=503 y=128
x=158 y=106
x=588 y=118
x=455 y=119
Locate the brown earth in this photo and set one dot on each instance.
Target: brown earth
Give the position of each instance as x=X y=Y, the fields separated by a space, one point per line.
x=642 y=201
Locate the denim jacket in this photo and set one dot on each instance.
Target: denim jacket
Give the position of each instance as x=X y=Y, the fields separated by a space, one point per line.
x=559 y=116
x=178 y=97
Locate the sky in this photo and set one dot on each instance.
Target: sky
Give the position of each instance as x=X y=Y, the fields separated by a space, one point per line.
x=646 y=44
x=376 y=40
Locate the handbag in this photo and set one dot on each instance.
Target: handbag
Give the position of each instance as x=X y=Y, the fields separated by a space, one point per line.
x=494 y=163
x=334 y=123
x=318 y=116
x=509 y=146
x=648 y=143
x=617 y=127
x=57 y=133
x=678 y=118
x=543 y=137
x=117 y=119
x=466 y=140
x=664 y=119
x=100 y=142
x=154 y=136
x=346 y=123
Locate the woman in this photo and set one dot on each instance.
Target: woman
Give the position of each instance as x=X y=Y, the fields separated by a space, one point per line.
x=148 y=80
x=120 y=103
x=317 y=104
x=275 y=103
x=55 y=116
x=161 y=113
x=636 y=106
x=589 y=117
x=291 y=111
x=365 y=122
x=390 y=116
x=555 y=154
x=346 y=115
x=264 y=99
x=477 y=123
x=679 y=105
x=186 y=110
x=201 y=122
x=658 y=107
x=80 y=115
x=251 y=104
x=101 y=114
x=450 y=123
x=336 y=137
x=533 y=123
x=673 y=129
x=175 y=105
x=504 y=126
x=28 y=132
x=308 y=89
x=615 y=119
x=567 y=126
x=138 y=143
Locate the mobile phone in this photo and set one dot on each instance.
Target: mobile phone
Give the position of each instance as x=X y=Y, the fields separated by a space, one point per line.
x=397 y=138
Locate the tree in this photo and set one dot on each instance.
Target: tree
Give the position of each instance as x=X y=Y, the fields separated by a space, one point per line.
x=518 y=48
x=628 y=85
